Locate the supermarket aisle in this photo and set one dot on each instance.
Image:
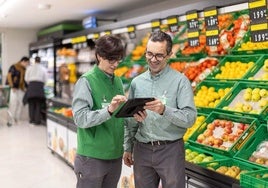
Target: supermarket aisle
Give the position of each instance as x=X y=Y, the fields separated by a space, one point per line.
x=26 y=162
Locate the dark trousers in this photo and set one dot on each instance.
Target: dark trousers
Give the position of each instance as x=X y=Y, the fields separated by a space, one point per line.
x=165 y=162
x=35 y=110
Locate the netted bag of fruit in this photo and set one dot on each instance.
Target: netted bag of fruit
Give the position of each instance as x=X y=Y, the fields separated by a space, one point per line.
x=261 y=154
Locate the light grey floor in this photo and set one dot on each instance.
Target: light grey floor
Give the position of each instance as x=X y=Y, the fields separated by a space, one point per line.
x=26 y=162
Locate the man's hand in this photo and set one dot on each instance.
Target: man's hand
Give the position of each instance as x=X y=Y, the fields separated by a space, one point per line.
x=116 y=101
x=155 y=106
x=128 y=160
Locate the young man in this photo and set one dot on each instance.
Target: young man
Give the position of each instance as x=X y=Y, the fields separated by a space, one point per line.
x=98 y=93
x=155 y=134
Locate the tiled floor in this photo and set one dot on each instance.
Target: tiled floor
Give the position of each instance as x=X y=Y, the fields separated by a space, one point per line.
x=26 y=162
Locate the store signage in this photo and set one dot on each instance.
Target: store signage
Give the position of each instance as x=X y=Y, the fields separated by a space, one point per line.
x=108 y=32
x=193 y=28
x=211 y=23
x=78 y=39
x=131 y=31
x=96 y=35
x=155 y=25
x=258 y=20
x=172 y=22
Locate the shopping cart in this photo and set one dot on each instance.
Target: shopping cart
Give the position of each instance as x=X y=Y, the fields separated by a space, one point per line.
x=4 y=106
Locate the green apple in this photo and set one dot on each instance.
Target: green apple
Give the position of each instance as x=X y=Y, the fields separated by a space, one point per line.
x=263 y=93
x=255 y=97
x=247 y=96
x=265 y=65
x=247 y=108
x=208 y=159
x=262 y=103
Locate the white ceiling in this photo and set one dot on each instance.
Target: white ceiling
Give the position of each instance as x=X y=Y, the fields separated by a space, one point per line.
x=26 y=14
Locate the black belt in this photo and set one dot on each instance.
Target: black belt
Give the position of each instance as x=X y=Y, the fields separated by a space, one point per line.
x=161 y=142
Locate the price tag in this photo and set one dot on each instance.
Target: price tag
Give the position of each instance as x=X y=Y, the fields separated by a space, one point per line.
x=155 y=25
x=259 y=36
x=173 y=23
x=78 y=39
x=212 y=40
x=257 y=11
x=108 y=32
x=131 y=32
x=211 y=17
x=193 y=41
x=192 y=20
x=96 y=35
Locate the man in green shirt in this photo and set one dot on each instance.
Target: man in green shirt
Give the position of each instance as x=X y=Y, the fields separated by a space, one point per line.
x=154 y=136
x=98 y=93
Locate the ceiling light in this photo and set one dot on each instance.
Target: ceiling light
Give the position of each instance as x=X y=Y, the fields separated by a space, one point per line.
x=44 y=6
x=2 y=2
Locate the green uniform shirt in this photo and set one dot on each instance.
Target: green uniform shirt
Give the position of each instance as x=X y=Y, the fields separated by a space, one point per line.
x=98 y=134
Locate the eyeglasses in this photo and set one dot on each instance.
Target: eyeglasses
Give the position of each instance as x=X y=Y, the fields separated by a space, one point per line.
x=158 y=57
x=113 y=61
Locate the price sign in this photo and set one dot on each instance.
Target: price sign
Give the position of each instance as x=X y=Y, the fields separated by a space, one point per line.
x=79 y=39
x=193 y=38
x=211 y=17
x=259 y=36
x=173 y=23
x=131 y=32
x=192 y=20
x=108 y=32
x=155 y=25
x=96 y=35
x=257 y=11
x=212 y=37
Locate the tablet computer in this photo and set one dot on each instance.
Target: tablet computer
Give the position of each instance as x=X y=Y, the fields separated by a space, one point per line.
x=132 y=106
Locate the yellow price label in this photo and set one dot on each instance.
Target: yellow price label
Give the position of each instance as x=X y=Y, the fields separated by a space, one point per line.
x=193 y=34
x=258 y=27
x=256 y=4
x=172 y=21
x=212 y=32
x=131 y=29
x=210 y=13
x=79 y=39
x=191 y=16
x=96 y=35
x=155 y=23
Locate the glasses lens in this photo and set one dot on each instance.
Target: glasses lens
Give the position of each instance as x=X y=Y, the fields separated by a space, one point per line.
x=158 y=57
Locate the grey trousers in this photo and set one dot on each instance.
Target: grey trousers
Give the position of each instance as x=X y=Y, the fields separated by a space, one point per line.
x=97 y=173
x=165 y=162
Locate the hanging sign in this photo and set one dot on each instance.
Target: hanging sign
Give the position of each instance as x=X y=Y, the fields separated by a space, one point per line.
x=96 y=35
x=131 y=32
x=258 y=20
x=193 y=28
x=172 y=22
x=155 y=25
x=211 y=23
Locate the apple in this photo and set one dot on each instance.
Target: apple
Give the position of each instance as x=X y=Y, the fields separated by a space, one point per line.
x=208 y=159
x=265 y=65
x=262 y=103
x=201 y=138
x=255 y=97
x=256 y=91
x=247 y=107
x=263 y=93
x=228 y=130
x=208 y=133
x=247 y=97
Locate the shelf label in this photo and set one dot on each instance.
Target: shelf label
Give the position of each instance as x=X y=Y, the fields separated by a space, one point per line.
x=79 y=39
x=96 y=35
x=192 y=20
x=155 y=24
x=131 y=31
x=258 y=27
x=193 y=41
x=259 y=36
x=212 y=40
x=108 y=32
x=256 y=3
x=212 y=32
x=257 y=11
x=173 y=23
x=193 y=34
x=211 y=17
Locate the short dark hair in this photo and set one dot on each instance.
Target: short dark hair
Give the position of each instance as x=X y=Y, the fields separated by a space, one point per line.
x=37 y=59
x=160 y=36
x=109 y=47
x=24 y=58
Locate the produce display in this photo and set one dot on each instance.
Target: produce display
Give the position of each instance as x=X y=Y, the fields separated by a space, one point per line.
x=64 y=111
x=200 y=119
x=256 y=178
x=260 y=72
x=194 y=156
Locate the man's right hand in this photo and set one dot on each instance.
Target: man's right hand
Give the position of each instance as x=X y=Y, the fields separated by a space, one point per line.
x=128 y=160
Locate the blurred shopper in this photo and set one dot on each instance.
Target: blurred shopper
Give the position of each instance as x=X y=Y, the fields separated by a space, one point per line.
x=97 y=94
x=155 y=134
x=15 y=79
x=36 y=77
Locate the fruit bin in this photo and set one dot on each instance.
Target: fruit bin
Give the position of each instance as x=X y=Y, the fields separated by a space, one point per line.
x=259 y=73
x=208 y=94
x=223 y=133
x=230 y=167
x=233 y=67
x=254 y=179
x=251 y=146
x=196 y=155
x=245 y=46
x=247 y=100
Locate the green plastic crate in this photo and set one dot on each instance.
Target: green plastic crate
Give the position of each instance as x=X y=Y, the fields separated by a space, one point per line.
x=251 y=145
x=235 y=96
x=217 y=85
x=254 y=179
x=246 y=167
x=215 y=156
x=233 y=148
x=245 y=39
x=256 y=74
x=233 y=58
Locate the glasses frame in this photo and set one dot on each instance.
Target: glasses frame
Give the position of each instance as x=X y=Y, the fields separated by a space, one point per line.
x=162 y=57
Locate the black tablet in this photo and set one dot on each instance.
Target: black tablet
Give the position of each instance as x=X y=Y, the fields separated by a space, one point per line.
x=132 y=106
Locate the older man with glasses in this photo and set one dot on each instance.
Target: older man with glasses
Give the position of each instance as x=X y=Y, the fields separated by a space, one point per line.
x=154 y=136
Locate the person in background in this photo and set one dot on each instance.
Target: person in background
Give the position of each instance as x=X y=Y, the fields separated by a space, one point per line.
x=15 y=79
x=97 y=94
x=36 y=77
x=154 y=136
